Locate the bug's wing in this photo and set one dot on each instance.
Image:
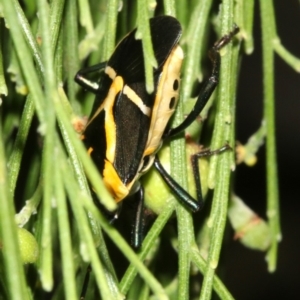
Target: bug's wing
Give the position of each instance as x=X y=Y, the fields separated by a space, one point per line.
x=128 y=58
x=133 y=108
x=131 y=136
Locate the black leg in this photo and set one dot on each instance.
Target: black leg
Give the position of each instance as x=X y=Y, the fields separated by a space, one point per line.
x=86 y=83
x=181 y=194
x=137 y=234
x=209 y=85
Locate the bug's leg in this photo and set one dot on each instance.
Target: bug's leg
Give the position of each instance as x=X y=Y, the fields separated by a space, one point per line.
x=196 y=171
x=86 y=282
x=209 y=86
x=139 y=222
x=116 y=213
x=86 y=83
x=182 y=195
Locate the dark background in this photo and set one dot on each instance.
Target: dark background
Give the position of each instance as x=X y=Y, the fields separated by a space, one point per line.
x=246 y=270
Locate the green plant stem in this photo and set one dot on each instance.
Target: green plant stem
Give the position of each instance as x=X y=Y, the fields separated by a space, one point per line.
x=185 y=225
x=14 y=270
x=68 y=268
x=218 y=286
x=28 y=112
x=178 y=154
x=85 y=16
x=195 y=47
x=169 y=6
x=182 y=12
x=268 y=34
x=14 y=161
x=111 y=26
x=144 y=33
x=221 y=194
x=289 y=58
x=26 y=29
x=56 y=13
x=222 y=169
x=3 y=87
x=48 y=150
x=72 y=61
x=26 y=64
x=110 y=274
x=88 y=249
x=248 y=13
x=91 y=41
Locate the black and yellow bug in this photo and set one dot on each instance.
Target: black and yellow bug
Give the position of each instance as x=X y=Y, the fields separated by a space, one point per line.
x=127 y=126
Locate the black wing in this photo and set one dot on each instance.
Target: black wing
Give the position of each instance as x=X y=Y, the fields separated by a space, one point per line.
x=128 y=59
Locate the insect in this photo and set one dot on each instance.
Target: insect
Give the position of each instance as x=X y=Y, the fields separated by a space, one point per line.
x=127 y=126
